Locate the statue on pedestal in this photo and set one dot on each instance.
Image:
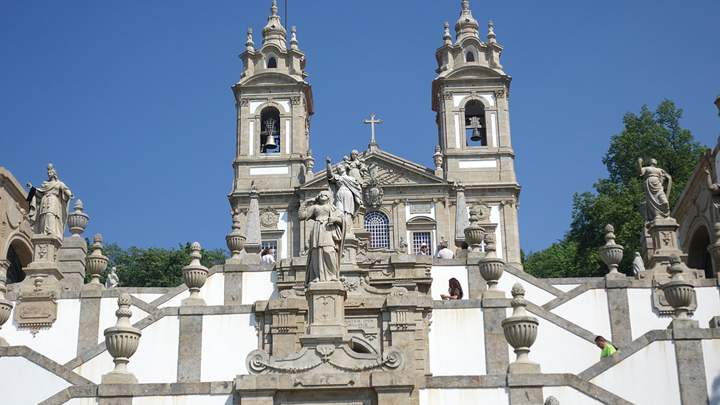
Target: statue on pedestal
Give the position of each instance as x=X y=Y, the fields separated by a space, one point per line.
x=657 y=190
x=49 y=209
x=348 y=191
x=327 y=238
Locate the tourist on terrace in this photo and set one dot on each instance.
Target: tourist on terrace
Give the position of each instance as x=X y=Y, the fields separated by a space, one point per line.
x=267 y=256
x=455 y=290
x=423 y=250
x=444 y=252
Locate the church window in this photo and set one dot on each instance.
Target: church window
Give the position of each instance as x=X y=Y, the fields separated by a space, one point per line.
x=420 y=238
x=270 y=130
x=475 y=124
x=378 y=225
x=470 y=57
x=272 y=63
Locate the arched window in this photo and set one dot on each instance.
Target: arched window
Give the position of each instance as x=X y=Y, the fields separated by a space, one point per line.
x=378 y=225
x=475 y=126
x=272 y=63
x=470 y=57
x=270 y=130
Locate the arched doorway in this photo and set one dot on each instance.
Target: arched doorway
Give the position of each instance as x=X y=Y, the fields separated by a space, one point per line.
x=698 y=255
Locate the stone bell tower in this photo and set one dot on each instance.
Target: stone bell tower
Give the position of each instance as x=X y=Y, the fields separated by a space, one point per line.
x=470 y=98
x=274 y=105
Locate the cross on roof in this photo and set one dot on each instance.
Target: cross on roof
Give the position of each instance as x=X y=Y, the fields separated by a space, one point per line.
x=372 y=121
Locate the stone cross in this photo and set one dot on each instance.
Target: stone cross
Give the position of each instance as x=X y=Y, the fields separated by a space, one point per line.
x=372 y=121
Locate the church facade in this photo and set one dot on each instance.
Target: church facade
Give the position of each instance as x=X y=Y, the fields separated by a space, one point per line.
x=352 y=311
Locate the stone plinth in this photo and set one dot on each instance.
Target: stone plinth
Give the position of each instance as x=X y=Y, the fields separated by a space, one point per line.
x=663 y=232
x=326 y=302
x=45 y=260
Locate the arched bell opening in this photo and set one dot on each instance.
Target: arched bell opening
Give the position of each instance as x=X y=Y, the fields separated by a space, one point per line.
x=475 y=124
x=270 y=130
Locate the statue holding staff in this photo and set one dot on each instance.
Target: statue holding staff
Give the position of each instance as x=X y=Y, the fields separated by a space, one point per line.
x=657 y=190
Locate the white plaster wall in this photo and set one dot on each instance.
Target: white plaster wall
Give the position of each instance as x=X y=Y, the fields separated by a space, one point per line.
x=251 y=137
x=108 y=306
x=457 y=342
x=155 y=360
x=534 y=294
x=410 y=216
x=213 y=292
x=711 y=354
x=58 y=342
x=223 y=358
x=588 y=310
x=442 y=274
x=643 y=317
x=224 y=399
x=464 y=396
x=493 y=126
x=558 y=350
x=565 y=287
x=147 y=297
x=24 y=382
x=283 y=226
x=477 y=163
x=83 y=401
x=499 y=236
x=653 y=366
x=457 y=130
x=258 y=285
x=256 y=171
x=708 y=305
x=569 y=395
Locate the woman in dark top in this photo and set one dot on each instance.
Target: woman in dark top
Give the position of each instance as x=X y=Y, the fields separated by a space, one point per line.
x=455 y=291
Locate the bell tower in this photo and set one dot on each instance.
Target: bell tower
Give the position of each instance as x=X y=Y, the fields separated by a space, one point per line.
x=274 y=105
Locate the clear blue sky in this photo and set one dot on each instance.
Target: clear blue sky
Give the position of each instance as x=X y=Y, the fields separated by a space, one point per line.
x=131 y=100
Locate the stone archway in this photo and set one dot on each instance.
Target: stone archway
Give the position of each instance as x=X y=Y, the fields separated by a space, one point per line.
x=19 y=255
x=698 y=255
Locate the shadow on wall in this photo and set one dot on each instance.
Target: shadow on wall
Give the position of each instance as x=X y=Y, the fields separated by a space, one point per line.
x=715 y=394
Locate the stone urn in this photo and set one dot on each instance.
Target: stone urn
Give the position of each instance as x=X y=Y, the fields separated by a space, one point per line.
x=679 y=293
x=235 y=243
x=122 y=341
x=714 y=249
x=194 y=275
x=77 y=220
x=474 y=235
x=520 y=329
x=6 y=306
x=491 y=269
x=611 y=253
x=96 y=263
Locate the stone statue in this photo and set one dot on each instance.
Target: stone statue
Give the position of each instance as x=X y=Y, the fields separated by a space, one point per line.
x=49 y=209
x=656 y=194
x=638 y=264
x=356 y=167
x=327 y=238
x=713 y=187
x=347 y=190
x=438 y=157
x=112 y=279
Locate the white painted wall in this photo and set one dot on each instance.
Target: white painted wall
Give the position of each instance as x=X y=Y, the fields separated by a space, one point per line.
x=588 y=310
x=24 y=382
x=222 y=358
x=565 y=287
x=258 y=285
x=477 y=163
x=464 y=396
x=647 y=377
x=58 y=342
x=709 y=305
x=457 y=343
x=224 y=399
x=569 y=395
x=83 y=401
x=499 y=235
x=283 y=226
x=256 y=171
x=410 y=216
x=643 y=317
x=147 y=297
x=441 y=275
x=711 y=354
x=558 y=350
x=108 y=306
x=534 y=294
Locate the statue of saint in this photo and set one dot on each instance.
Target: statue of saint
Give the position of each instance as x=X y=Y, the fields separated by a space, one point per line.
x=347 y=190
x=327 y=238
x=657 y=190
x=112 y=279
x=49 y=209
x=356 y=167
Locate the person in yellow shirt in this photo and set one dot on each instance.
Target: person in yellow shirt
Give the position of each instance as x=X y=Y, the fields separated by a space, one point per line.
x=607 y=348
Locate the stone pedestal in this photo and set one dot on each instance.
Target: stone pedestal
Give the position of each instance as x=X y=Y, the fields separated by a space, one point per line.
x=326 y=302
x=45 y=261
x=349 y=255
x=71 y=260
x=663 y=232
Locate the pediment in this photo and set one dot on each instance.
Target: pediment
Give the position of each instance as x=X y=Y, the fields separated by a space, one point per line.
x=388 y=170
x=474 y=71
x=269 y=78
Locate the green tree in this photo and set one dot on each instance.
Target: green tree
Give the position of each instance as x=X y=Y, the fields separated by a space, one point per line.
x=650 y=134
x=155 y=267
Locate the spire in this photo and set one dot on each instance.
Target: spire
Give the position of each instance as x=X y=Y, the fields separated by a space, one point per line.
x=466 y=26
x=274 y=32
x=249 y=44
x=447 y=39
x=293 y=38
x=491 y=33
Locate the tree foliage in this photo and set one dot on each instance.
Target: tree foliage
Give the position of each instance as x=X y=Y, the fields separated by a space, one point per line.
x=155 y=267
x=649 y=134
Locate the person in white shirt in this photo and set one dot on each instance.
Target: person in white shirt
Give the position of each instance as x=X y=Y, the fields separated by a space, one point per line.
x=423 y=250
x=267 y=256
x=444 y=252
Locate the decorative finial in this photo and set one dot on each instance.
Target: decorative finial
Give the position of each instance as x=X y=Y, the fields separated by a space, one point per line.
x=491 y=32
x=249 y=44
x=77 y=221
x=609 y=235
x=195 y=254
x=293 y=38
x=446 y=36
x=465 y=5
x=274 y=8
x=194 y=275
x=96 y=263
x=675 y=269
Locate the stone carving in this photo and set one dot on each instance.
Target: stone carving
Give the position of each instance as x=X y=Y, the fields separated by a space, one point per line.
x=327 y=238
x=356 y=167
x=96 y=263
x=194 y=275
x=347 y=191
x=481 y=211
x=491 y=269
x=713 y=187
x=49 y=208
x=475 y=233
x=421 y=208
x=678 y=292
x=402 y=246
x=551 y=401
x=77 y=221
x=6 y=306
x=373 y=193
x=657 y=190
x=36 y=308
x=308 y=161
x=500 y=93
x=520 y=332
x=269 y=217
x=112 y=279
x=438 y=158
x=714 y=249
x=611 y=253
x=235 y=240
x=122 y=341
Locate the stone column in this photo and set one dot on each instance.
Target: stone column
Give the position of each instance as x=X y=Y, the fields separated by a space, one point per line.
x=253 y=243
x=189 y=345
x=90 y=301
x=496 y=347
x=72 y=254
